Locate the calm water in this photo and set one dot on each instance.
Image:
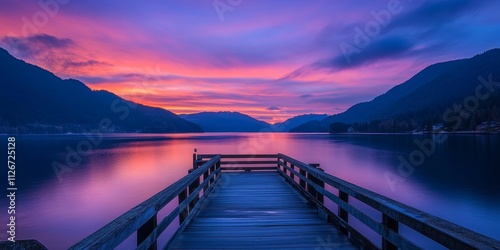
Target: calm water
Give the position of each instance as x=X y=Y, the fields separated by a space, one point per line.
x=459 y=181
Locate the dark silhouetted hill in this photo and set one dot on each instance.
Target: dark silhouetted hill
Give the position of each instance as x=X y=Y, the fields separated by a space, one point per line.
x=297 y=121
x=33 y=100
x=227 y=122
x=425 y=97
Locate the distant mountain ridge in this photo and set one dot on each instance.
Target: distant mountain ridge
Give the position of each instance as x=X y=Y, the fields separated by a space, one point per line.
x=424 y=97
x=297 y=121
x=226 y=121
x=34 y=100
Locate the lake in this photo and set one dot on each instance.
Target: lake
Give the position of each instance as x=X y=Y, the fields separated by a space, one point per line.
x=457 y=179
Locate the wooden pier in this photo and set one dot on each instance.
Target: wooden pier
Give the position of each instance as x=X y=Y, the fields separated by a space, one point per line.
x=274 y=202
x=258 y=210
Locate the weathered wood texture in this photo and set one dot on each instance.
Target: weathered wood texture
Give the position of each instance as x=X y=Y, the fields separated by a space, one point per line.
x=444 y=232
x=140 y=217
x=258 y=210
x=260 y=162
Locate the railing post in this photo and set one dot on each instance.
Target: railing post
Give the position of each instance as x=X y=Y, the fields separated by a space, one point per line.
x=389 y=223
x=184 y=214
x=286 y=164
x=195 y=160
x=302 y=182
x=311 y=189
x=192 y=187
x=217 y=166
x=342 y=212
x=205 y=176
x=291 y=173
x=145 y=230
x=212 y=169
x=278 y=163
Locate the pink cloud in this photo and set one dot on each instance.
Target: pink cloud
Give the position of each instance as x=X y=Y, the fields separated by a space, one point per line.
x=180 y=56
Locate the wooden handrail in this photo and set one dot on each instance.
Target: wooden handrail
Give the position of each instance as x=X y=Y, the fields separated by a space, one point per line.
x=441 y=231
x=115 y=232
x=243 y=162
x=310 y=181
x=233 y=156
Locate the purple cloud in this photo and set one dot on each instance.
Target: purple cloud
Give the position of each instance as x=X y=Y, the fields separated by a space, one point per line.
x=34 y=45
x=274 y=108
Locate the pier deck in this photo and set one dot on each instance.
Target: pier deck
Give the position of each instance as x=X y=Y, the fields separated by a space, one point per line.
x=259 y=210
x=273 y=201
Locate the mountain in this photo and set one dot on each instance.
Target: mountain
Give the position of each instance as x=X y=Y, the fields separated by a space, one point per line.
x=424 y=97
x=297 y=121
x=34 y=100
x=237 y=122
x=227 y=122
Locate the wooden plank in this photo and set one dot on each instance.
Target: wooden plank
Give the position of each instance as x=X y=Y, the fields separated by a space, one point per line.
x=247 y=162
x=444 y=232
x=390 y=224
x=258 y=210
x=242 y=156
x=357 y=238
x=190 y=217
x=178 y=211
x=182 y=197
x=145 y=230
x=115 y=232
x=253 y=210
x=250 y=168
x=367 y=220
x=343 y=215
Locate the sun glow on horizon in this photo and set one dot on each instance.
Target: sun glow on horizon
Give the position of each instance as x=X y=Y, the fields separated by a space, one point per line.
x=270 y=65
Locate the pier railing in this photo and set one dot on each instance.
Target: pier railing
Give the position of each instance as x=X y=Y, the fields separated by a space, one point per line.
x=232 y=162
x=311 y=182
x=143 y=217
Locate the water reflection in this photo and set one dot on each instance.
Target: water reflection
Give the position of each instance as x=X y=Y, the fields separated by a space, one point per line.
x=459 y=182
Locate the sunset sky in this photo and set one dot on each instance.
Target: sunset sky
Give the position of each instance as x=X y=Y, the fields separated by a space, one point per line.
x=271 y=59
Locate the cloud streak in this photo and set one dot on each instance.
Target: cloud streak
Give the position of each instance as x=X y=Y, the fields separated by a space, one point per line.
x=57 y=54
x=418 y=32
x=32 y=46
x=265 y=55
